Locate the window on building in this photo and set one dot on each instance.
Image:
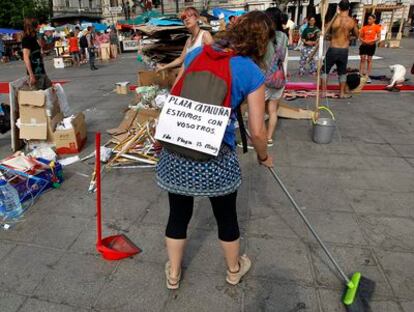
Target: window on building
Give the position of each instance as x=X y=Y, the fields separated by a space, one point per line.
x=67 y=3
x=114 y=3
x=90 y=4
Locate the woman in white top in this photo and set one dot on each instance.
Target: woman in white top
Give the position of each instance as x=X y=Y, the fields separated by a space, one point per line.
x=198 y=37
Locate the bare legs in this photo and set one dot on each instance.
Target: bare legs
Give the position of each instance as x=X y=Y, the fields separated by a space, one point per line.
x=272 y=110
x=175 y=250
x=369 y=65
x=362 y=65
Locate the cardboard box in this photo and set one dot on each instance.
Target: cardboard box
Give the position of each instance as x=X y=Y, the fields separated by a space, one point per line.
x=164 y=79
x=36 y=121
x=145 y=115
x=58 y=62
x=71 y=141
x=122 y=87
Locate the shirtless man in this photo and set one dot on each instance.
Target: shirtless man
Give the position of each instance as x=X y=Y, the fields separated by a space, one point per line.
x=340 y=29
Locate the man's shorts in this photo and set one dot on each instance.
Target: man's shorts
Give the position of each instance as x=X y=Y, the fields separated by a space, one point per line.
x=338 y=57
x=367 y=49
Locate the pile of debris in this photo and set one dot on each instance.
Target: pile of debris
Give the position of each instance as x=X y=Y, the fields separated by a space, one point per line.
x=164 y=39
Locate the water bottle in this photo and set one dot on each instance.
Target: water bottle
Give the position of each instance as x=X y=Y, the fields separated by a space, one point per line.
x=10 y=207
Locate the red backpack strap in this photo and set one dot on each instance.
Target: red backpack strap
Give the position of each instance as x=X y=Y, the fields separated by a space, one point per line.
x=215 y=61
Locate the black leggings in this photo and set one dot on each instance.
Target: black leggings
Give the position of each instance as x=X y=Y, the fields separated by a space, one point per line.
x=224 y=209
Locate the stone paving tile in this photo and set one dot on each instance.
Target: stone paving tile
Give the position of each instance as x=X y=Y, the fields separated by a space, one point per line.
x=76 y=280
x=389 y=232
x=37 y=229
x=10 y=302
x=221 y=297
x=134 y=287
x=351 y=260
x=279 y=260
x=398 y=269
x=381 y=203
x=266 y=296
x=383 y=150
x=331 y=302
x=34 y=305
x=408 y=306
x=387 y=163
x=337 y=227
x=5 y=249
x=23 y=269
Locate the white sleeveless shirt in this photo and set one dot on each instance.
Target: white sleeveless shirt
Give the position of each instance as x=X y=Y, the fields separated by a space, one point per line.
x=198 y=42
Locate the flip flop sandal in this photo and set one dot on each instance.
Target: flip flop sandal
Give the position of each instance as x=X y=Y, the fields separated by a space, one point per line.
x=171 y=283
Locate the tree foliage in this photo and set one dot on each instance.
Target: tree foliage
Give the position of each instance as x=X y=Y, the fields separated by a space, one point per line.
x=12 y=12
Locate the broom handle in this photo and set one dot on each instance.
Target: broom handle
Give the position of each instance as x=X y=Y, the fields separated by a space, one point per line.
x=98 y=187
x=325 y=249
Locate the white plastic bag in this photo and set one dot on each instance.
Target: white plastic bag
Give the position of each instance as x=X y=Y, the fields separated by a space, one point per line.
x=63 y=100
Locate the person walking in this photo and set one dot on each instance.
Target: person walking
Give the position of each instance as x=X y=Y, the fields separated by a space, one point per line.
x=90 y=37
x=278 y=45
x=83 y=45
x=369 y=35
x=337 y=54
x=74 y=48
x=219 y=177
x=32 y=56
x=198 y=37
x=310 y=37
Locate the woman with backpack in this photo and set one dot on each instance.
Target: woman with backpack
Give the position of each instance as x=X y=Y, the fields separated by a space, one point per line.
x=276 y=69
x=224 y=74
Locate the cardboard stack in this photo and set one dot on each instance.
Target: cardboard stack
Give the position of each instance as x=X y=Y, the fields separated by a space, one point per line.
x=39 y=116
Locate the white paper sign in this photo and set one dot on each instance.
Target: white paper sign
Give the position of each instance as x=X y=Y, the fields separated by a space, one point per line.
x=192 y=124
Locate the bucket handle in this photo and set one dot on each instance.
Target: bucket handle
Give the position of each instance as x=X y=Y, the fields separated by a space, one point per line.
x=317 y=113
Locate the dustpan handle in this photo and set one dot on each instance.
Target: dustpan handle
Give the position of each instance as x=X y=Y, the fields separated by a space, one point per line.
x=310 y=227
x=98 y=187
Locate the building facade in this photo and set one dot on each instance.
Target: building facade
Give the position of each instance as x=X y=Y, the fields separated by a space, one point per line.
x=76 y=11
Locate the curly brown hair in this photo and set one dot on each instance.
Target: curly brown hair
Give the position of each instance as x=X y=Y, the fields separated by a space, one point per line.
x=249 y=36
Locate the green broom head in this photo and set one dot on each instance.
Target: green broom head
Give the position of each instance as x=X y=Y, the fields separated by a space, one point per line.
x=358 y=294
x=352 y=288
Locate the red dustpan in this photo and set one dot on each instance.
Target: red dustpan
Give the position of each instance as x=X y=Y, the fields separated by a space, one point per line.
x=114 y=247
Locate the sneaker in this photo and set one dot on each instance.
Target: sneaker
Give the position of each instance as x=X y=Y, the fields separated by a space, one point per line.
x=244 y=267
x=269 y=143
x=368 y=80
x=172 y=283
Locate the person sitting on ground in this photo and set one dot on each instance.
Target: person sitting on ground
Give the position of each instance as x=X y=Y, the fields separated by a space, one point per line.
x=279 y=44
x=198 y=37
x=32 y=56
x=74 y=48
x=337 y=54
x=369 y=35
x=310 y=39
x=219 y=177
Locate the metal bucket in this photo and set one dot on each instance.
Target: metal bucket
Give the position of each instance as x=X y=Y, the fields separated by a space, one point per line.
x=323 y=128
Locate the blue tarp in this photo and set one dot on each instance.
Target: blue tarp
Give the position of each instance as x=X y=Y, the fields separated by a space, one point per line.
x=165 y=22
x=227 y=13
x=98 y=26
x=9 y=31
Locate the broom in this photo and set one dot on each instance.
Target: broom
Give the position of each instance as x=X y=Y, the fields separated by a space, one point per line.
x=359 y=289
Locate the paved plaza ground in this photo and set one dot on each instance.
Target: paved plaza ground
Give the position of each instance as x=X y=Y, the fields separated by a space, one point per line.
x=357 y=191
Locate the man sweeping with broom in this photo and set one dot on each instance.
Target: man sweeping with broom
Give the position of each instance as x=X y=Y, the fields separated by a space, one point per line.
x=340 y=29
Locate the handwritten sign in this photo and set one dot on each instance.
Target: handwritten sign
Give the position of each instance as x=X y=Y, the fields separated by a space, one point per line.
x=192 y=124
x=130 y=45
